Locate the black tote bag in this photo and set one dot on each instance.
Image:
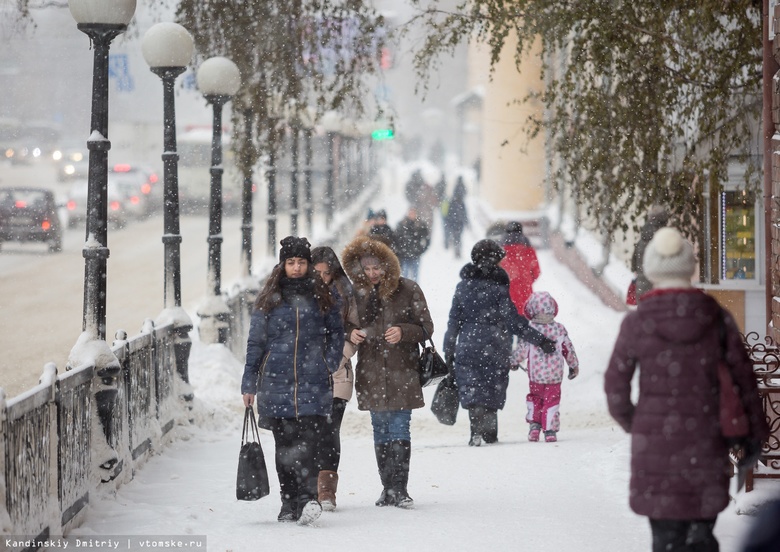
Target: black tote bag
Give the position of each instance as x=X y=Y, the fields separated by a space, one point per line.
x=446 y=402
x=252 y=478
x=433 y=369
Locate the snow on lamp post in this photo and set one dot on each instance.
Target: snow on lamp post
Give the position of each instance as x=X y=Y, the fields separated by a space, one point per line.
x=101 y=21
x=219 y=80
x=167 y=48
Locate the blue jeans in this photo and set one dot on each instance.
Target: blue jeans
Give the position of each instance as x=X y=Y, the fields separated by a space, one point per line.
x=410 y=268
x=391 y=425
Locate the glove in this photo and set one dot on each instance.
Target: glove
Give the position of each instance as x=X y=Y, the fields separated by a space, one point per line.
x=449 y=359
x=548 y=346
x=573 y=372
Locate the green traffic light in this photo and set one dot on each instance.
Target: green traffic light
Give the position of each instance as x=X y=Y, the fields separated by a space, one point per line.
x=382 y=134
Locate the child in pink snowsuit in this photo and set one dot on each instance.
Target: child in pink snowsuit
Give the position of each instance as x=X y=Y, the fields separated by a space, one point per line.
x=545 y=372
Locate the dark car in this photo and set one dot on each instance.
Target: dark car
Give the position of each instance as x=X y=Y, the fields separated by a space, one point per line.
x=30 y=215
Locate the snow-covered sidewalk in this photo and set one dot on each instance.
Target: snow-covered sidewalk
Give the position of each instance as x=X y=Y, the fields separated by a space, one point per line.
x=516 y=495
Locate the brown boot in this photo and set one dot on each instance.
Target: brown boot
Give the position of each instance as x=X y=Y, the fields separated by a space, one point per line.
x=327 y=481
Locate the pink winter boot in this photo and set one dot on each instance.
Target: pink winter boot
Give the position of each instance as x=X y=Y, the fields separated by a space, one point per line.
x=533 y=435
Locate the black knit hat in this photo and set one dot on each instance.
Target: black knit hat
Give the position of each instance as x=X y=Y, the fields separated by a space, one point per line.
x=487 y=252
x=295 y=247
x=513 y=227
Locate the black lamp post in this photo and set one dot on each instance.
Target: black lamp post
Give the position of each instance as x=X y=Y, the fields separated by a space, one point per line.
x=246 y=201
x=218 y=80
x=167 y=48
x=101 y=21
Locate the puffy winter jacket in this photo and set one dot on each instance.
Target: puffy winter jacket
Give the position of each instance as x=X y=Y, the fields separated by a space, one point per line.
x=522 y=266
x=679 y=463
x=541 y=310
x=291 y=353
x=481 y=323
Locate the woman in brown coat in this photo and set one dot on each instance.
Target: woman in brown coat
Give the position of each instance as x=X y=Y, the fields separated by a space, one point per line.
x=393 y=318
x=676 y=338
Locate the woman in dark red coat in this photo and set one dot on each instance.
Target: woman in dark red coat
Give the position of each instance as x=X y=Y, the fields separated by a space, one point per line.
x=679 y=458
x=520 y=263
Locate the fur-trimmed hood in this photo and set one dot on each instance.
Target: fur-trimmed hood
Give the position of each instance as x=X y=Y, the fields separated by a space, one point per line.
x=495 y=273
x=350 y=260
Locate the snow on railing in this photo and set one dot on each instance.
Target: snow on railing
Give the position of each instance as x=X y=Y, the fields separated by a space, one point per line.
x=86 y=431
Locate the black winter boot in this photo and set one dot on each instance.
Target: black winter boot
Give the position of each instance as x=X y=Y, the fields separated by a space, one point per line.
x=402 y=454
x=384 y=462
x=288 y=489
x=476 y=415
x=490 y=426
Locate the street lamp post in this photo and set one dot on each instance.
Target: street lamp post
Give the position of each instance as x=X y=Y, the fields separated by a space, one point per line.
x=218 y=80
x=246 y=201
x=101 y=21
x=167 y=48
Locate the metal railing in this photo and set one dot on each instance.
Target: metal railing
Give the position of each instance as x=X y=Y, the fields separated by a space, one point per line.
x=81 y=430
x=87 y=430
x=766 y=366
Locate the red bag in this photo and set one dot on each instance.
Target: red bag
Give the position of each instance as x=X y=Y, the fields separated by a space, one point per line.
x=631 y=294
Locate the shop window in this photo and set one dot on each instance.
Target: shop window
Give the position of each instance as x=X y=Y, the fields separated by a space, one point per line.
x=738 y=235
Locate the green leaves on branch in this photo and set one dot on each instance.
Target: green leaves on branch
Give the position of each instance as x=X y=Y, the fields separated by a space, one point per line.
x=644 y=101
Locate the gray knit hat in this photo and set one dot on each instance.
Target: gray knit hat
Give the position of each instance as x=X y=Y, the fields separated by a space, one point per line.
x=669 y=260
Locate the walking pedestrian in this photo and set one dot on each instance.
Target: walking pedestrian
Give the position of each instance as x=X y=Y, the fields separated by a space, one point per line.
x=412 y=238
x=393 y=318
x=545 y=372
x=295 y=342
x=478 y=341
x=677 y=338
x=327 y=266
x=457 y=217
x=657 y=218
x=520 y=263
x=381 y=231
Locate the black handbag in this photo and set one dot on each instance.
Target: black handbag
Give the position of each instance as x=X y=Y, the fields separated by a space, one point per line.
x=252 y=478
x=433 y=369
x=446 y=402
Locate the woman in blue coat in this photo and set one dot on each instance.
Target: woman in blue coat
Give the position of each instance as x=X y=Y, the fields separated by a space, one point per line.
x=295 y=340
x=478 y=341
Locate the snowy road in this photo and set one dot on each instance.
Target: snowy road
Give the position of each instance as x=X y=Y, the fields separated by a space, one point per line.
x=41 y=294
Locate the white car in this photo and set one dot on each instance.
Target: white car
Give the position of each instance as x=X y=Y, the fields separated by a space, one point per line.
x=76 y=206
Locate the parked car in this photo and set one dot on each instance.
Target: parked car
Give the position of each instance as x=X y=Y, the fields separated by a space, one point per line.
x=76 y=206
x=30 y=215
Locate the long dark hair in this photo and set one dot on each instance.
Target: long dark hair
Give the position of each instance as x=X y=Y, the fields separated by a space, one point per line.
x=341 y=281
x=271 y=295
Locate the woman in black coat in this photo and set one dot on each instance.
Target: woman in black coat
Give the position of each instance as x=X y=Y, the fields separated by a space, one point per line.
x=478 y=341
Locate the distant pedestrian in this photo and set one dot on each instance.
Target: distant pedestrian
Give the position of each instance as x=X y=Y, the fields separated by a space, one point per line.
x=327 y=266
x=657 y=218
x=412 y=238
x=478 y=341
x=381 y=231
x=457 y=218
x=545 y=372
x=295 y=342
x=520 y=263
x=393 y=319
x=677 y=338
